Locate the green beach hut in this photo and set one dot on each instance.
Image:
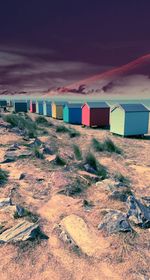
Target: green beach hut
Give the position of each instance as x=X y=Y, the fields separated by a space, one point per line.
x=129 y=119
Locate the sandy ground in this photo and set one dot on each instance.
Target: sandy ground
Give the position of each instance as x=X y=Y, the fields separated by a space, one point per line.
x=120 y=256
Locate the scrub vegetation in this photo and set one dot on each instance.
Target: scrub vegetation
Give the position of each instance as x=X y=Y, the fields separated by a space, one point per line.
x=106 y=146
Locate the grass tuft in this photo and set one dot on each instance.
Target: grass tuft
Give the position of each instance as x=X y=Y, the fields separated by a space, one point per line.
x=41 y=121
x=71 y=131
x=37 y=153
x=106 y=146
x=3 y=177
x=111 y=147
x=62 y=129
x=98 y=146
x=99 y=168
x=23 y=123
x=77 y=152
x=60 y=161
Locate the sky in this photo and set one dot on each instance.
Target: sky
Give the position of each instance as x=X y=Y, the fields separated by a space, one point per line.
x=47 y=43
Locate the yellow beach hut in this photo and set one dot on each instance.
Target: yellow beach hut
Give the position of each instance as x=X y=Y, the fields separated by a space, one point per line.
x=57 y=109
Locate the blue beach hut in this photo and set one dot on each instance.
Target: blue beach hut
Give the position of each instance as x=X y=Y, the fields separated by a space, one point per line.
x=47 y=108
x=39 y=107
x=72 y=113
x=129 y=119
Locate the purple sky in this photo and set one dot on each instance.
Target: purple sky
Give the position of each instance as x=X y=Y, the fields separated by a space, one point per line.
x=59 y=41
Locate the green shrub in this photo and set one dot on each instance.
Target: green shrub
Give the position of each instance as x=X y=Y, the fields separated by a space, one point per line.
x=37 y=153
x=73 y=133
x=111 y=147
x=77 y=152
x=25 y=124
x=91 y=160
x=60 y=161
x=42 y=121
x=99 y=168
x=62 y=129
x=106 y=146
x=98 y=146
x=3 y=177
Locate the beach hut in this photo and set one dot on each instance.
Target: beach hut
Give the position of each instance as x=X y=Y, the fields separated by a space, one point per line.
x=3 y=103
x=39 y=107
x=72 y=113
x=20 y=106
x=57 y=109
x=95 y=114
x=28 y=104
x=129 y=119
x=33 y=106
x=47 y=108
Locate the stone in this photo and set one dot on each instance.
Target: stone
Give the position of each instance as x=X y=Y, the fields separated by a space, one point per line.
x=22 y=176
x=139 y=211
x=89 y=169
x=21 y=231
x=74 y=230
x=36 y=143
x=5 y=202
x=9 y=157
x=20 y=211
x=47 y=151
x=114 y=222
x=13 y=147
x=24 y=154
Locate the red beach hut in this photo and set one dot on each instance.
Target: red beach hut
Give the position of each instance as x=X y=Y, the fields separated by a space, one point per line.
x=32 y=106
x=95 y=114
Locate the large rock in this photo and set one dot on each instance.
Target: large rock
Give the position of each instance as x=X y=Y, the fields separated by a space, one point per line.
x=9 y=157
x=114 y=222
x=138 y=211
x=13 y=147
x=5 y=202
x=75 y=231
x=22 y=231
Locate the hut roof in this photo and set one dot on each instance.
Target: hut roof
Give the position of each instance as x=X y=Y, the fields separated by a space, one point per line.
x=132 y=107
x=74 y=105
x=97 y=104
x=59 y=103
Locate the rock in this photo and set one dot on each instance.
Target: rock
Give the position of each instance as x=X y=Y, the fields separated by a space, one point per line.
x=20 y=211
x=36 y=143
x=9 y=157
x=47 y=151
x=89 y=176
x=115 y=221
x=13 y=147
x=17 y=131
x=139 y=211
x=5 y=202
x=117 y=190
x=89 y=169
x=22 y=176
x=22 y=231
x=75 y=231
x=106 y=184
x=50 y=158
x=121 y=195
x=24 y=154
